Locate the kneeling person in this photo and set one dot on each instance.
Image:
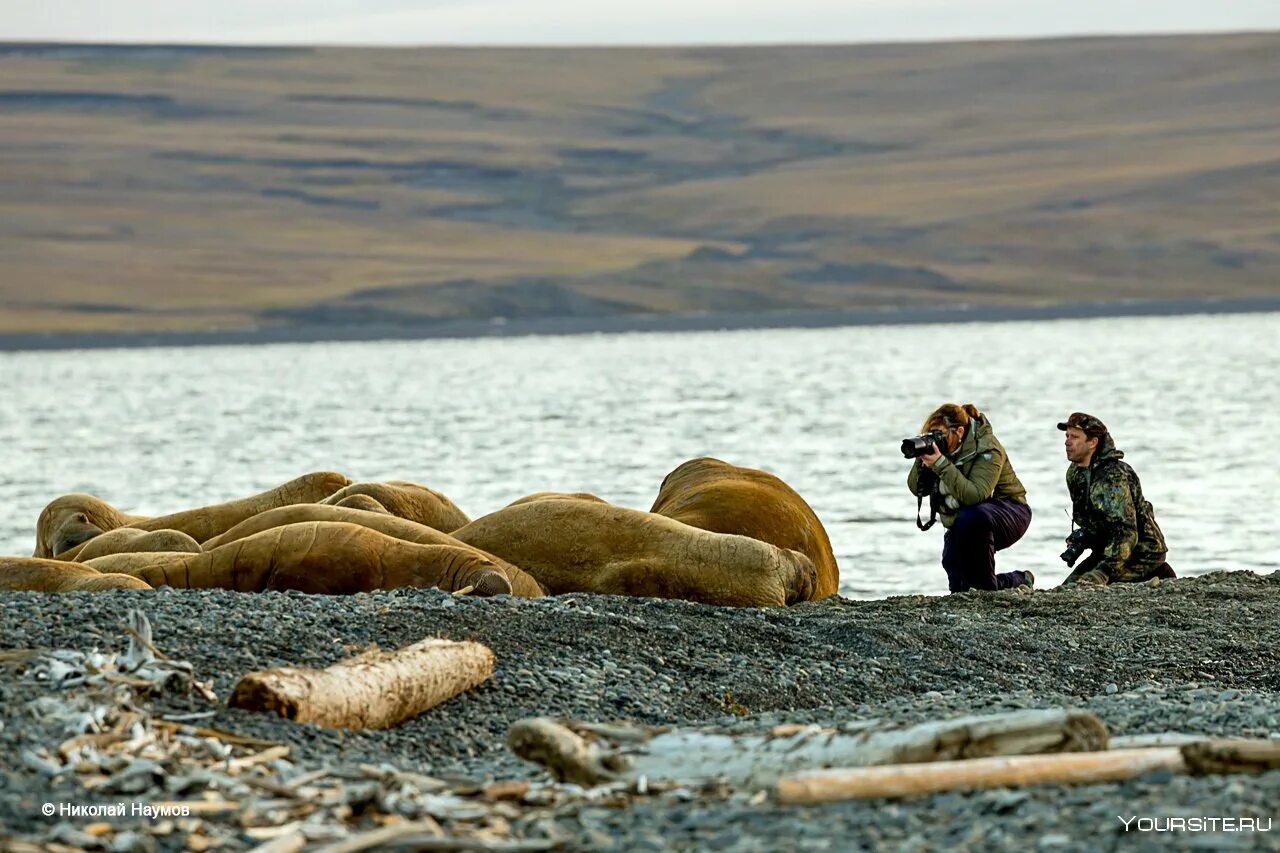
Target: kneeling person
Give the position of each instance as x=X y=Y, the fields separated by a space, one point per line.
x=970 y=484
x=1107 y=507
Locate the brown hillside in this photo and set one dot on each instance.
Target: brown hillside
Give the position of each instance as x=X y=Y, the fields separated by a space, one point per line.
x=193 y=188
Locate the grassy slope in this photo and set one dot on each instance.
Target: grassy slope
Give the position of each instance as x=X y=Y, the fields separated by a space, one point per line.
x=189 y=189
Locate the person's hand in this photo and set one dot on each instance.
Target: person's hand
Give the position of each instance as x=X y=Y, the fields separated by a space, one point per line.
x=930 y=456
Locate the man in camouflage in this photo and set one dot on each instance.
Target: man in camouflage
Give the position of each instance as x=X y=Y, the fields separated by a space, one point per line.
x=1117 y=524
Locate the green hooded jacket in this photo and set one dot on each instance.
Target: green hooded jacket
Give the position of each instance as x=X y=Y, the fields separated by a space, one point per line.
x=978 y=470
x=1119 y=524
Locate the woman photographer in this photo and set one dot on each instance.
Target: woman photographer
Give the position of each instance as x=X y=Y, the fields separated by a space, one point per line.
x=972 y=487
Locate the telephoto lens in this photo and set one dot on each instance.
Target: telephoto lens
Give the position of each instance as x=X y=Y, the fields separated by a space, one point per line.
x=919 y=445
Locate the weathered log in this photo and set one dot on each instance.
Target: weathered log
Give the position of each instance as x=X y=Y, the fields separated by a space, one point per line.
x=908 y=780
x=1231 y=756
x=567 y=755
x=374 y=690
x=1156 y=739
x=757 y=761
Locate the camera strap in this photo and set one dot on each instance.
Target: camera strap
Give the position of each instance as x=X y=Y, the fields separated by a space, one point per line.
x=933 y=513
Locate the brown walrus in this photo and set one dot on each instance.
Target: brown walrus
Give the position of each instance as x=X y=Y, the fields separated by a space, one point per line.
x=362 y=502
x=71 y=520
x=522 y=584
x=124 y=540
x=407 y=500
x=321 y=557
x=551 y=496
x=33 y=574
x=714 y=495
x=573 y=545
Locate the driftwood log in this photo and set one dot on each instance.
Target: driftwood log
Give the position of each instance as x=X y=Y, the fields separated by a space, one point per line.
x=607 y=754
x=374 y=690
x=909 y=780
x=1231 y=756
x=1202 y=756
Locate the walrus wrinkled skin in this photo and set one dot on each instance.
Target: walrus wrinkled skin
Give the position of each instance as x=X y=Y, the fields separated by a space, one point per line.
x=572 y=545
x=34 y=574
x=131 y=562
x=320 y=557
x=522 y=584
x=562 y=496
x=714 y=495
x=362 y=502
x=71 y=520
x=407 y=500
x=125 y=540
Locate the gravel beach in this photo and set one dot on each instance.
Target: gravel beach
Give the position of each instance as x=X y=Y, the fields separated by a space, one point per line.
x=1199 y=655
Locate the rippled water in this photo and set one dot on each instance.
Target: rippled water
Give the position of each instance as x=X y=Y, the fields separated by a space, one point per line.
x=1192 y=400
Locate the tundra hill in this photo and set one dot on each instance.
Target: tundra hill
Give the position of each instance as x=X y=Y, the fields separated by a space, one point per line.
x=180 y=189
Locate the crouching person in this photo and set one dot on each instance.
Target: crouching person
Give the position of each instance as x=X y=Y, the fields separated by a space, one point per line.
x=963 y=470
x=1113 y=520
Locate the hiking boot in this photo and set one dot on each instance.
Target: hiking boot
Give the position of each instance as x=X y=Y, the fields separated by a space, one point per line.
x=1028 y=582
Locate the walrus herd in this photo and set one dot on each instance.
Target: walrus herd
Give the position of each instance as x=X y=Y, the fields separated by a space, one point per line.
x=716 y=533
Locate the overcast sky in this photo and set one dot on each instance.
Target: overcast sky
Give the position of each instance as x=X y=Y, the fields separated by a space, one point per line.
x=611 y=21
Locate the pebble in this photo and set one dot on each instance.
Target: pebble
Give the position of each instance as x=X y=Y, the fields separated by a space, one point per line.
x=837 y=664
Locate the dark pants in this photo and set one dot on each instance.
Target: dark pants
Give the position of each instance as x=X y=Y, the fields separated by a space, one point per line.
x=969 y=548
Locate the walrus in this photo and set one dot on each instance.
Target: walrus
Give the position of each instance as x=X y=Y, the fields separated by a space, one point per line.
x=713 y=495
x=362 y=502
x=407 y=500
x=551 y=496
x=125 y=540
x=572 y=545
x=320 y=557
x=34 y=574
x=522 y=584
x=71 y=520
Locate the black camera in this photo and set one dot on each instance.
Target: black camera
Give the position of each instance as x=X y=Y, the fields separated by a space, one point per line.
x=919 y=445
x=1076 y=545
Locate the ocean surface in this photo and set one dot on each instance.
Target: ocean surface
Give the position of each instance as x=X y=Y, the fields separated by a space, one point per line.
x=1193 y=401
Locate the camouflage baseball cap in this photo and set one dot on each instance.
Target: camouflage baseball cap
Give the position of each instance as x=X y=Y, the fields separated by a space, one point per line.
x=1087 y=424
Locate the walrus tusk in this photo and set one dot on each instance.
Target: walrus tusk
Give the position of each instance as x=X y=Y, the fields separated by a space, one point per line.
x=374 y=690
x=909 y=780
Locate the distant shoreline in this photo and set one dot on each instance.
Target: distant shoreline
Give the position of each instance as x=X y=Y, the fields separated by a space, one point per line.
x=701 y=322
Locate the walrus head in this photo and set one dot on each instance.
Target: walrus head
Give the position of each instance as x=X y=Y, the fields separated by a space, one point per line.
x=75 y=530
x=70 y=520
x=804 y=576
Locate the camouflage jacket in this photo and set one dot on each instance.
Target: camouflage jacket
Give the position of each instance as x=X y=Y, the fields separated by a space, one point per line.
x=1119 y=524
x=977 y=471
